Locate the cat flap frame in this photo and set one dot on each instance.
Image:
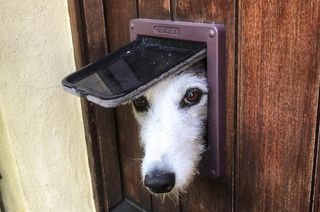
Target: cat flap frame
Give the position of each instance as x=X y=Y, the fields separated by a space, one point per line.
x=214 y=36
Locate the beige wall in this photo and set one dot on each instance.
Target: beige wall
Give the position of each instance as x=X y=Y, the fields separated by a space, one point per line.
x=43 y=158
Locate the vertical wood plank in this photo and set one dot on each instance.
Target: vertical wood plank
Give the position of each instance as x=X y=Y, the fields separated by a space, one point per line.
x=74 y=8
x=154 y=9
x=94 y=29
x=131 y=155
x=118 y=15
x=278 y=91
x=158 y=9
x=99 y=122
x=206 y=194
x=108 y=149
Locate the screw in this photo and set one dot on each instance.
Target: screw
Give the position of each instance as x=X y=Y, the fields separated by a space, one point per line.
x=131 y=26
x=213 y=172
x=211 y=33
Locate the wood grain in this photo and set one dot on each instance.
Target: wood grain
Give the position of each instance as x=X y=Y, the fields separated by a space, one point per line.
x=203 y=10
x=278 y=91
x=118 y=15
x=206 y=194
x=100 y=122
x=154 y=9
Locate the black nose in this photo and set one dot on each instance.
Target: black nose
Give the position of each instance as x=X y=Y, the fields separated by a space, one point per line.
x=160 y=181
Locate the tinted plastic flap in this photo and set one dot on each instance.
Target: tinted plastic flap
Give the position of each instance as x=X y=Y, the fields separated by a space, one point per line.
x=124 y=74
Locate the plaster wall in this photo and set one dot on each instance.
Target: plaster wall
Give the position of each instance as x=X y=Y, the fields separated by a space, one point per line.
x=43 y=157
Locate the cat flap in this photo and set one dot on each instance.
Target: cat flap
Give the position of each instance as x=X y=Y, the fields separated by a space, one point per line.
x=124 y=74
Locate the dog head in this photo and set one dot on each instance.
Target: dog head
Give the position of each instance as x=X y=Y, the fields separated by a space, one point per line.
x=172 y=117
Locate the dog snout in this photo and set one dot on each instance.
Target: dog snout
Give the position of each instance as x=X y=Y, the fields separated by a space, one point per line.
x=160 y=181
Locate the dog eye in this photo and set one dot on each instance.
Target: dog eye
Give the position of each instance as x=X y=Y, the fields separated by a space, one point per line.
x=191 y=97
x=141 y=104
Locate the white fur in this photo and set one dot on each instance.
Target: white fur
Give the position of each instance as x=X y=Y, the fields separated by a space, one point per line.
x=172 y=137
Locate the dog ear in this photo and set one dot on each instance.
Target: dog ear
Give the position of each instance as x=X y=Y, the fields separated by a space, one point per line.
x=198 y=69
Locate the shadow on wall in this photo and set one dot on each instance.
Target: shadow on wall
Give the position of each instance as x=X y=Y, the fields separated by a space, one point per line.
x=11 y=195
x=1 y=200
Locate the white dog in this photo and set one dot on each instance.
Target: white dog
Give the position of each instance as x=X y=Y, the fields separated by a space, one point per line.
x=172 y=116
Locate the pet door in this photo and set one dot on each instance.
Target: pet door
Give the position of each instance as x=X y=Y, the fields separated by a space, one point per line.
x=159 y=49
x=125 y=73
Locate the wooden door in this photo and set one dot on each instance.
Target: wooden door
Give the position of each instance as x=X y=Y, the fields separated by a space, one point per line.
x=273 y=74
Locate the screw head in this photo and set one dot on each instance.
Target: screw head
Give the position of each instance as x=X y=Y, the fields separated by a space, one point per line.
x=131 y=26
x=213 y=172
x=211 y=33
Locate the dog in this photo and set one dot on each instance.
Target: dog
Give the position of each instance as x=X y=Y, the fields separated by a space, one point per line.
x=172 y=116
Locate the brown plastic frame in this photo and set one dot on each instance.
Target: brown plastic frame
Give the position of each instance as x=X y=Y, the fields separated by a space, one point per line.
x=214 y=36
